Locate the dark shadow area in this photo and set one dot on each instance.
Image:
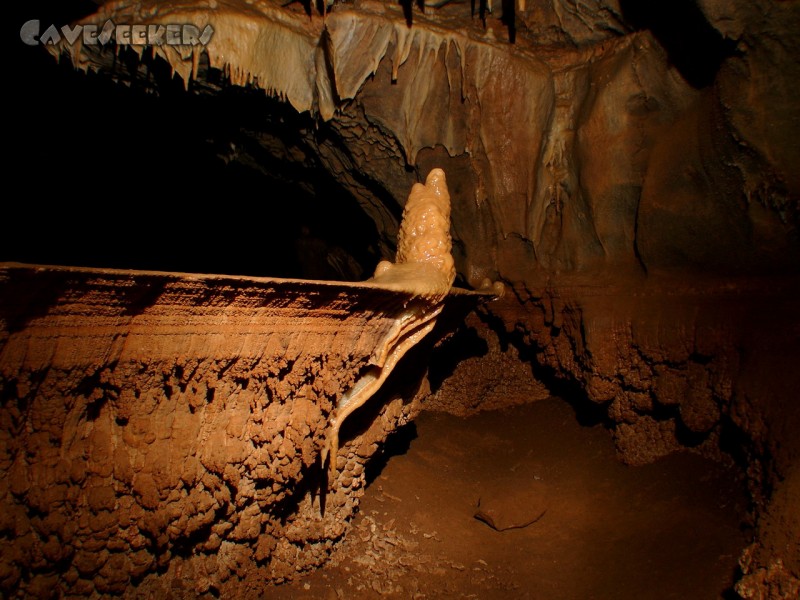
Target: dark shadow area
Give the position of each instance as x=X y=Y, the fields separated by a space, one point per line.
x=397 y=444
x=464 y=343
x=587 y=413
x=19 y=309
x=693 y=46
x=130 y=170
x=408 y=11
x=57 y=12
x=509 y=19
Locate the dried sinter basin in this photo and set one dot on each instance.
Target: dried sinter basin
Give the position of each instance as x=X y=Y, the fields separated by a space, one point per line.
x=182 y=432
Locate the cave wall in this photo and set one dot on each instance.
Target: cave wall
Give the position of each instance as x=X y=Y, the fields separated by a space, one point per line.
x=587 y=159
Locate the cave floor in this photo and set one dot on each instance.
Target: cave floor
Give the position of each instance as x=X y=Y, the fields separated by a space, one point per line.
x=673 y=529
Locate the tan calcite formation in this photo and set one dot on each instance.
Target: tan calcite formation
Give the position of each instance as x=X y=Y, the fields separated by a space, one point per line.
x=424 y=265
x=423 y=243
x=161 y=433
x=253 y=42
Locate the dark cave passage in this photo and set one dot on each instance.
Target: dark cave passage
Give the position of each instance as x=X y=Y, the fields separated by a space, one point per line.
x=694 y=47
x=147 y=175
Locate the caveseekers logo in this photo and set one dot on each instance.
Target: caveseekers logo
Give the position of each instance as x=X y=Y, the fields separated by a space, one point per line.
x=172 y=34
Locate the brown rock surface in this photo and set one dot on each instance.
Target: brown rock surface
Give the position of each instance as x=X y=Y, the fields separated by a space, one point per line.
x=176 y=421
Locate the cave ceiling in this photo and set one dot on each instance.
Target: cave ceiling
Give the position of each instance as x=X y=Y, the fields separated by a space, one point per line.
x=591 y=137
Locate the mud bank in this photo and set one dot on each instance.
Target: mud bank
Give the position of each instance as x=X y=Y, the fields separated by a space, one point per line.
x=706 y=367
x=174 y=425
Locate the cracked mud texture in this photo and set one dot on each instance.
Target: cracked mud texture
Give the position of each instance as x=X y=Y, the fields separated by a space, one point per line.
x=164 y=430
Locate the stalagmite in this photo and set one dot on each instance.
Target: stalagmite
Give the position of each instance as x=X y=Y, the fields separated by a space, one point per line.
x=424 y=265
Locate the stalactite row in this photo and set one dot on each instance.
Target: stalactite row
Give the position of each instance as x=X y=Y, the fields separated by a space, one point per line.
x=481 y=8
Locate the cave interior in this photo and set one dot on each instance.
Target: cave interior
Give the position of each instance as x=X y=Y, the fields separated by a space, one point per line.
x=629 y=172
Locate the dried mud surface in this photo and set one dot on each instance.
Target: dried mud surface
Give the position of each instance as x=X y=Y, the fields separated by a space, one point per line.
x=706 y=366
x=671 y=529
